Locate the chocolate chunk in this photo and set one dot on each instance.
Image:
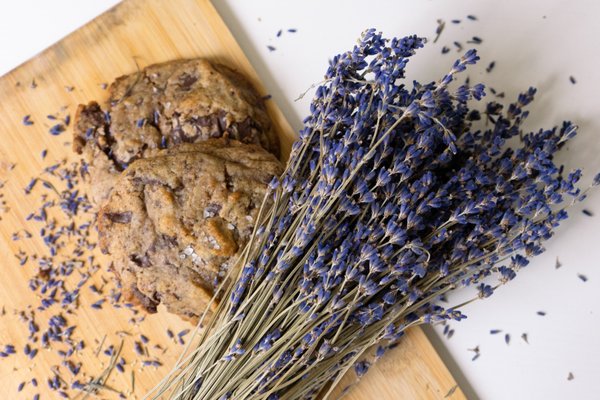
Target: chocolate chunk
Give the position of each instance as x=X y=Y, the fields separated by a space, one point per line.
x=144 y=301
x=119 y=218
x=187 y=80
x=142 y=262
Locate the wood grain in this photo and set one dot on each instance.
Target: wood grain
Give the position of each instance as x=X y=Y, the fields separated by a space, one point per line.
x=133 y=34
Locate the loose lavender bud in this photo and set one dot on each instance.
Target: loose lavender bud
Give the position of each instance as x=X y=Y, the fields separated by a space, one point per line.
x=27 y=120
x=361 y=368
x=139 y=349
x=57 y=129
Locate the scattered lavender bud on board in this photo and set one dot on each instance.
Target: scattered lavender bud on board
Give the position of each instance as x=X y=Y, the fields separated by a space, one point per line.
x=292 y=30
x=572 y=79
x=271 y=48
x=495 y=331
x=570 y=377
x=472 y=17
x=582 y=277
x=541 y=313
x=33 y=84
x=490 y=67
x=98 y=305
x=525 y=338
x=507 y=338
x=456 y=21
x=361 y=368
x=95 y=289
x=32 y=354
x=57 y=129
x=458 y=46
x=139 y=349
x=183 y=333
x=587 y=212
x=27 y=120
x=30 y=185
x=279 y=32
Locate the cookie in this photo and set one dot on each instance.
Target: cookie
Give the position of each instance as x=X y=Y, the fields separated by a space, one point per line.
x=176 y=222
x=163 y=106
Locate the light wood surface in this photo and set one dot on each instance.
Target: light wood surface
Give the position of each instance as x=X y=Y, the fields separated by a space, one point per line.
x=135 y=33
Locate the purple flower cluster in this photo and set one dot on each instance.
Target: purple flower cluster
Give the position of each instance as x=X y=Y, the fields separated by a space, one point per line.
x=394 y=195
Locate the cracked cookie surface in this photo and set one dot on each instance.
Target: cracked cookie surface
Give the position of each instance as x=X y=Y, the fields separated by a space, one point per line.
x=163 y=106
x=177 y=221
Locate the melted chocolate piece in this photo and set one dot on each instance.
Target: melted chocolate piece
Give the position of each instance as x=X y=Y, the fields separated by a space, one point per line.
x=142 y=262
x=119 y=218
x=186 y=81
x=146 y=302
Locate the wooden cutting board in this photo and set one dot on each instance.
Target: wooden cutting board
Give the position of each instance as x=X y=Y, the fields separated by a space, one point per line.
x=133 y=34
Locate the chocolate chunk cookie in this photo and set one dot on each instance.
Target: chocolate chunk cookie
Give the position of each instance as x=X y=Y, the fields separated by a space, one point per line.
x=162 y=106
x=176 y=222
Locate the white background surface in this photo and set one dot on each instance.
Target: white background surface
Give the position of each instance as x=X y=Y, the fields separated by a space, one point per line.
x=539 y=43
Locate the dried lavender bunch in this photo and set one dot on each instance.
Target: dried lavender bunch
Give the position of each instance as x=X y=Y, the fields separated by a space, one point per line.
x=394 y=195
